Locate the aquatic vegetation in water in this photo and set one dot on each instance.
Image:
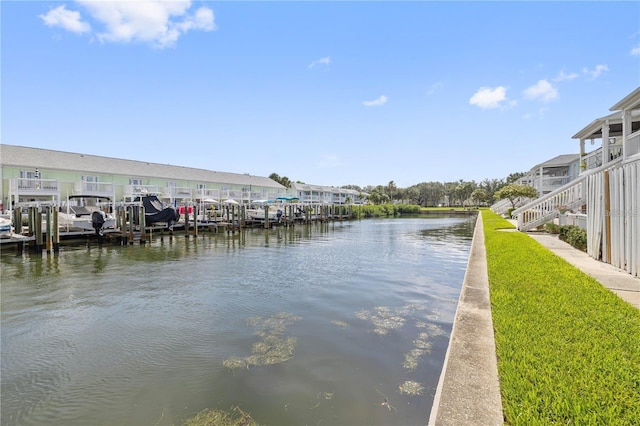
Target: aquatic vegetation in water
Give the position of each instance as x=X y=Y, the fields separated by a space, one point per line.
x=411 y=388
x=384 y=319
x=432 y=329
x=273 y=348
x=273 y=325
x=342 y=324
x=208 y=417
x=411 y=359
x=235 y=362
x=421 y=346
x=411 y=308
x=422 y=342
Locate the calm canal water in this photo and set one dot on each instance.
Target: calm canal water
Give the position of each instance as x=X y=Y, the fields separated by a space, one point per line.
x=343 y=323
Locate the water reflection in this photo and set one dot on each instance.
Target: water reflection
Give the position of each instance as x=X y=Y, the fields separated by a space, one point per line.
x=333 y=323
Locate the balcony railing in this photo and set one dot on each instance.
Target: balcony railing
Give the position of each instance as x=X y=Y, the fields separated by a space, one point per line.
x=24 y=186
x=104 y=189
x=177 y=193
x=133 y=191
x=593 y=160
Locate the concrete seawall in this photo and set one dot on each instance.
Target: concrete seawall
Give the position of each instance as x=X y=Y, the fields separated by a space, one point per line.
x=468 y=391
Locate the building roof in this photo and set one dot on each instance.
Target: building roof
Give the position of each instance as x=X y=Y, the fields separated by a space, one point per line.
x=594 y=129
x=20 y=156
x=631 y=101
x=297 y=186
x=559 y=161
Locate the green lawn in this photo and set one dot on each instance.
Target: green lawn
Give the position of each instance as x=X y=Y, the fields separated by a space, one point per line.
x=568 y=349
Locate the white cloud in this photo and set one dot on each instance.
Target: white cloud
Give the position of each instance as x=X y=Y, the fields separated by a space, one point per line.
x=635 y=51
x=543 y=90
x=488 y=98
x=435 y=87
x=595 y=73
x=67 y=19
x=562 y=76
x=376 y=102
x=156 y=22
x=322 y=61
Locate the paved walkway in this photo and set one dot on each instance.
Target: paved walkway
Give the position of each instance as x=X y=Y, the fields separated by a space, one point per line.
x=468 y=392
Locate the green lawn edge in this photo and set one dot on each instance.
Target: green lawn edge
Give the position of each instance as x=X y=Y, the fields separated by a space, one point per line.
x=568 y=349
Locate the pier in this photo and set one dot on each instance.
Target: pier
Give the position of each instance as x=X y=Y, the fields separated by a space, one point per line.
x=37 y=229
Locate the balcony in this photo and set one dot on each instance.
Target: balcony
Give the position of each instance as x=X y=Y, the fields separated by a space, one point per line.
x=35 y=187
x=133 y=191
x=177 y=193
x=95 y=189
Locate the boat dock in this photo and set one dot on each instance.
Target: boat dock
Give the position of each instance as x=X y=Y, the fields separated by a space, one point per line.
x=42 y=231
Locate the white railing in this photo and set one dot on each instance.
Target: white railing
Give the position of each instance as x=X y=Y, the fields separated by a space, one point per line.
x=105 y=189
x=547 y=207
x=549 y=183
x=569 y=197
x=133 y=191
x=592 y=160
x=177 y=193
x=232 y=194
x=502 y=207
x=208 y=194
x=573 y=219
x=26 y=186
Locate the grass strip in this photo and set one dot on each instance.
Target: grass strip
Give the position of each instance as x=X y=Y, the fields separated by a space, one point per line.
x=568 y=349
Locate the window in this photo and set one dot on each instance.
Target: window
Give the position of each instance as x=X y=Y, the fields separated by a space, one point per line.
x=30 y=174
x=90 y=183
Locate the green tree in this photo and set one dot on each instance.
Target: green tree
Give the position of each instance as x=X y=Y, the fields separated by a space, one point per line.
x=378 y=196
x=490 y=186
x=284 y=181
x=464 y=190
x=429 y=193
x=391 y=190
x=450 y=192
x=513 y=191
x=514 y=177
x=479 y=195
x=412 y=195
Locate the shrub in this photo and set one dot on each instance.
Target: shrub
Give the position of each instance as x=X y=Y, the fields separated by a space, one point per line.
x=385 y=210
x=574 y=235
x=552 y=228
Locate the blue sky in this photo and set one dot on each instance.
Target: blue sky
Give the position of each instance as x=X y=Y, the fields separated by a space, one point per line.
x=329 y=93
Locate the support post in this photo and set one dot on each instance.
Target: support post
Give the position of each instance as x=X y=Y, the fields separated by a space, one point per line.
x=607 y=217
x=56 y=232
x=49 y=231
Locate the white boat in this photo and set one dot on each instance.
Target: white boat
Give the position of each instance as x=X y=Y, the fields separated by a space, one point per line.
x=6 y=228
x=86 y=213
x=274 y=213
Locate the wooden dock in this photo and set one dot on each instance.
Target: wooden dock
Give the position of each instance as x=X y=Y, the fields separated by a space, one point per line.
x=42 y=232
